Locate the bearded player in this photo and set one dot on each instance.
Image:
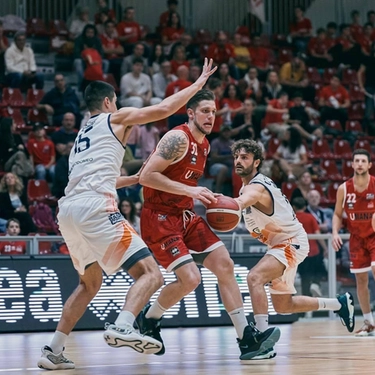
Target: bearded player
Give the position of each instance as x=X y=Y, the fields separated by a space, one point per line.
x=356 y=198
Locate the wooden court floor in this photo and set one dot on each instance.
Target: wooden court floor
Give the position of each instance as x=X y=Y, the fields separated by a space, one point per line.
x=306 y=347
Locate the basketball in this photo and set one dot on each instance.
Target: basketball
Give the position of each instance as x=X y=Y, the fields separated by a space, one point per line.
x=224 y=215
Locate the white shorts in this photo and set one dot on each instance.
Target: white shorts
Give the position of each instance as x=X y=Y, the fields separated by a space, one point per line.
x=95 y=231
x=290 y=253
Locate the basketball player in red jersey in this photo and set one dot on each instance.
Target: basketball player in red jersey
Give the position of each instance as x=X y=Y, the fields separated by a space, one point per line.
x=179 y=238
x=356 y=197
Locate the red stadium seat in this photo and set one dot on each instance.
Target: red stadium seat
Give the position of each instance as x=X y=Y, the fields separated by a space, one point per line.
x=285 y=55
x=353 y=126
x=342 y=149
x=203 y=36
x=321 y=150
x=34 y=116
x=334 y=125
x=331 y=193
x=109 y=78
x=331 y=171
x=363 y=143
x=287 y=188
x=38 y=191
x=245 y=35
x=355 y=94
x=328 y=74
x=33 y=97
x=313 y=75
x=356 y=111
x=36 y=27
x=58 y=27
x=349 y=77
x=347 y=169
x=12 y=97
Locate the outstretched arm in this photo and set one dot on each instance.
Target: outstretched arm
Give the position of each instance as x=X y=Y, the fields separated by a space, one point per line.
x=131 y=116
x=251 y=195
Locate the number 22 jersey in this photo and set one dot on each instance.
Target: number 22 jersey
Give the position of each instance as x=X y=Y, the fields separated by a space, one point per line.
x=359 y=208
x=95 y=159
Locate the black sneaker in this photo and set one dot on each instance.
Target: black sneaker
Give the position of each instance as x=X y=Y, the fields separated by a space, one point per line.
x=150 y=327
x=346 y=313
x=255 y=342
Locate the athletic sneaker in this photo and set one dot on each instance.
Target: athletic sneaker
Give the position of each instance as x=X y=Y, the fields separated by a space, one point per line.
x=255 y=342
x=117 y=337
x=346 y=313
x=51 y=361
x=315 y=290
x=267 y=354
x=366 y=330
x=150 y=327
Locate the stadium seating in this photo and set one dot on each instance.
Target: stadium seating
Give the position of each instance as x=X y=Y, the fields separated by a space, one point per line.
x=320 y=150
x=341 y=149
x=12 y=97
x=33 y=97
x=39 y=191
x=331 y=170
x=287 y=188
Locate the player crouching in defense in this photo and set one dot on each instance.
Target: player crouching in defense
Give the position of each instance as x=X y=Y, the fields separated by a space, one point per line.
x=270 y=218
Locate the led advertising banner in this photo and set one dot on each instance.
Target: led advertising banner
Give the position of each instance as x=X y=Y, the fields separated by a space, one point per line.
x=33 y=290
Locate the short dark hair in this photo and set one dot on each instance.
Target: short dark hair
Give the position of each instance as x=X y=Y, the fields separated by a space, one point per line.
x=198 y=97
x=95 y=94
x=138 y=60
x=362 y=151
x=370 y=12
x=170 y=2
x=332 y=25
x=320 y=30
x=354 y=12
x=367 y=24
x=282 y=93
x=214 y=83
x=12 y=219
x=299 y=203
x=343 y=26
x=250 y=147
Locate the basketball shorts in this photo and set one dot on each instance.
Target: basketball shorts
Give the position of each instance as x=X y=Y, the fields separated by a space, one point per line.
x=177 y=239
x=290 y=253
x=362 y=253
x=95 y=231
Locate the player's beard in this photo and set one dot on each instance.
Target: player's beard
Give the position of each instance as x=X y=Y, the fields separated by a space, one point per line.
x=245 y=171
x=361 y=174
x=201 y=129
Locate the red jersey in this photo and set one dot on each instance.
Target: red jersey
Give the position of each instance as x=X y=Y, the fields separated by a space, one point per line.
x=356 y=31
x=260 y=56
x=12 y=247
x=174 y=87
x=365 y=43
x=172 y=34
x=41 y=151
x=359 y=208
x=302 y=27
x=345 y=42
x=175 y=65
x=109 y=42
x=319 y=46
x=311 y=227
x=187 y=170
x=275 y=118
x=125 y=28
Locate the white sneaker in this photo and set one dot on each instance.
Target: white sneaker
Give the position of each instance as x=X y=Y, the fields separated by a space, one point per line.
x=127 y=336
x=315 y=290
x=51 y=361
x=267 y=354
x=366 y=330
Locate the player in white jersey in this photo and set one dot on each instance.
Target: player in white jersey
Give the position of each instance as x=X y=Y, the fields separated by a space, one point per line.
x=270 y=218
x=97 y=235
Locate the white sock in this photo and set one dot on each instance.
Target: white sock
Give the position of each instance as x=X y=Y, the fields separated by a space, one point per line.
x=329 y=304
x=58 y=342
x=239 y=320
x=156 y=311
x=369 y=317
x=125 y=318
x=261 y=321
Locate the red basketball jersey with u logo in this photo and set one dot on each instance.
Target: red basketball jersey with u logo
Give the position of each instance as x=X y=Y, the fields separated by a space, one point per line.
x=187 y=170
x=360 y=208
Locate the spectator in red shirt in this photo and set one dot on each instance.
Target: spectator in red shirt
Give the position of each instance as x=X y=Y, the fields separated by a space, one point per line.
x=300 y=29
x=163 y=19
x=259 y=56
x=173 y=31
x=179 y=59
x=112 y=48
x=232 y=99
x=331 y=31
x=371 y=17
x=334 y=102
x=309 y=269
x=93 y=66
x=366 y=39
x=223 y=52
x=318 y=49
x=277 y=114
x=356 y=29
x=13 y=228
x=129 y=31
x=182 y=82
x=42 y=153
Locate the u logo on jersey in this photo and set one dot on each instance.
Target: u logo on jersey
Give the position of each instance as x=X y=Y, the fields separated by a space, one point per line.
x=192 y=175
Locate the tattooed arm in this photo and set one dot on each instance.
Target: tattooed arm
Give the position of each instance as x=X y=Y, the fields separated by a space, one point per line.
x=171 y=148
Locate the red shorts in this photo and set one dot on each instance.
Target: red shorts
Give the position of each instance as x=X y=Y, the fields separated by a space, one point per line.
x=174 y=239
x=362 y=253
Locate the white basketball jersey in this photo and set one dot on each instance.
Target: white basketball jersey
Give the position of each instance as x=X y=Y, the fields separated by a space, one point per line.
x=278 y=227
x=96 y=159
